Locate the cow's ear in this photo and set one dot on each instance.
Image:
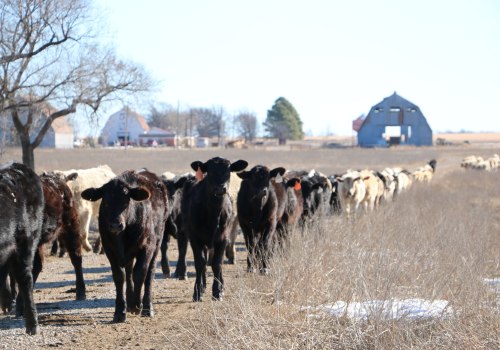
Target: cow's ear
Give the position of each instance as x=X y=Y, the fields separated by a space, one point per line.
x=71 y=177
x=139 y=194
x=198 y=165
x=239 y=165
x=180 y=182
x=243 y=175
x=317 y=186
x=295 y=183
x=276 y=171
x=92 y=194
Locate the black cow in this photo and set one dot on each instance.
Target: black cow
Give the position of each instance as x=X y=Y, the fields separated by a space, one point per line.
x=335 y=204
x=258 y=214
x=315 y=194
x=207 y=219
x=174 y=227
x=132 y=216
x=21 y=207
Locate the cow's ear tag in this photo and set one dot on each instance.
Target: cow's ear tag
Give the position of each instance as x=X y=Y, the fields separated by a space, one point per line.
x=199 y=174
x=278 y=179
x=297 y=186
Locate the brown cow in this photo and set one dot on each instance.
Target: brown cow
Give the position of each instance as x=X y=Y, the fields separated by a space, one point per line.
x=61 y=221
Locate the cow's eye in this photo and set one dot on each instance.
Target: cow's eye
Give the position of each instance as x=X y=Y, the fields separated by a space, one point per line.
x=125 y=190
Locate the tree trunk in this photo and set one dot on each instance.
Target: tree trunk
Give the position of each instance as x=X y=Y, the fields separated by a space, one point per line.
x=28 y=155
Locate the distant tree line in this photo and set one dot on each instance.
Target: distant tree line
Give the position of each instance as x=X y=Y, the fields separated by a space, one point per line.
x=282 y=122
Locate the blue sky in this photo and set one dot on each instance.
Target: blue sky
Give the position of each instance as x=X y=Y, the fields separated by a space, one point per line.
x=332 y=60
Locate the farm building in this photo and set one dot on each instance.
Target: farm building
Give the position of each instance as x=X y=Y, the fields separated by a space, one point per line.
x=59 y=135
x=394 y=121
x=127 y=126
x=158 y=137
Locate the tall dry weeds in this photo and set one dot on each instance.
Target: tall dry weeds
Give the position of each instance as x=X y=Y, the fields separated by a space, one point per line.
x=437 y=242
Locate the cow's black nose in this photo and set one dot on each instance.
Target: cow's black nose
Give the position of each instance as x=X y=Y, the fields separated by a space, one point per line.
x=116 y=227
x=220 y=191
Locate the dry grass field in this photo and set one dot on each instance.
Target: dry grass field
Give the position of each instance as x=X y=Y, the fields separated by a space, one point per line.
x=438 y=242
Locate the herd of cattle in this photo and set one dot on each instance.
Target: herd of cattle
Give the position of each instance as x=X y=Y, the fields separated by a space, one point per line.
x=479 y=163
x=138 y=211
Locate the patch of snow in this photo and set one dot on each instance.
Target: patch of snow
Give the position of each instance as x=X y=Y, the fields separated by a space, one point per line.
x=388 y=309
x=494 y=283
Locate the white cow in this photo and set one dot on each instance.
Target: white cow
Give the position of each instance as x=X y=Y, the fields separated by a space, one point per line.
x=352 y=191
x=403 y=180
x=390 y=183
x=93 y=177
x=425 y=173
x=494 y=161
x=372 y=189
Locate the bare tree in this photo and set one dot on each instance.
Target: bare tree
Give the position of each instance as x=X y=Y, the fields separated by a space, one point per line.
x=246 y=125
x=210 y=122
x=167 y=117
x=51 y=65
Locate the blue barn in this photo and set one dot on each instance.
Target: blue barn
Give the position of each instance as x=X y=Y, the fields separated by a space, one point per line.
x=394 y=121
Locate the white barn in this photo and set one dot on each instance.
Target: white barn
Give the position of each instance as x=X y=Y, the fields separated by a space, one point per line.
x=124 y=126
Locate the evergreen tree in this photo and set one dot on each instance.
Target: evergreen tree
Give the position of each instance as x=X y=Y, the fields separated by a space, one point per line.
x=283 y=122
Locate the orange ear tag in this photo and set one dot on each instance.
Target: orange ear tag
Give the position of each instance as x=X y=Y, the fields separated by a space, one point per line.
x=199 y=175
x=297 y=186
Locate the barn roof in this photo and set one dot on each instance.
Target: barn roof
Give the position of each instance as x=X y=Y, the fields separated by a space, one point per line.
x=394 y=101
x=140 y=119
x=158 y=132
x=385 y=106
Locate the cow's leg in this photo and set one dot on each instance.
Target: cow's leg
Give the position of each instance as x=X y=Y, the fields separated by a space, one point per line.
x=38 y=262
x=200 y=264
x=230 y=250
x=34 y=272
x=164 y=254
x=182 y=245
x=265 y=247
x=54 y=248
x=85 y=217
x=62 y=248
x=147 y=300
x=76 y=260
x=69 y=238
x=120 y=314
x=97 y=246
x=23 y=271
x=130 y=285
x=218 y=284
x=6 y=291
x=141 y=267
x=250 y=245
x=206 y=256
